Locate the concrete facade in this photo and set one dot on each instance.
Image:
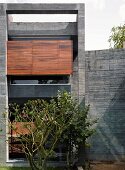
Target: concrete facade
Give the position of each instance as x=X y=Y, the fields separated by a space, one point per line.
x=57 y=28
x=98 y=77
x=75 y=30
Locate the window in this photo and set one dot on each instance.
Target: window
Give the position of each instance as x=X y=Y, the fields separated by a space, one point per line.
x=40 y=80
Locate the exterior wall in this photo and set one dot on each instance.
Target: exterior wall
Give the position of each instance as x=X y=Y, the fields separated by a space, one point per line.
x=57 y=28
x=81 y=54
x=3 y=89
x=101 y=82
x=105 y=92
x=40 y=8
x=77 y=83
x=78 y=77
x=77 y=29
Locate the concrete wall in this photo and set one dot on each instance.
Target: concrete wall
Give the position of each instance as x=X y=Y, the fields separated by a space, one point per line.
x=77 y=29
x=57 y=28
x=78 y=76
x=105 y=92
x=3 y=89
x=101 y=82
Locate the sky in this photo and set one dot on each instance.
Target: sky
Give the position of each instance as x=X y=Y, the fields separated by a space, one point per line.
x=100 y=17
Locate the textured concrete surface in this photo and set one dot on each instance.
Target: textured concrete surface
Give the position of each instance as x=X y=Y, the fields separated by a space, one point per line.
x=3 y=90
x=78 y=78
x=105 y=92
x=42 y=8
x=43 y=28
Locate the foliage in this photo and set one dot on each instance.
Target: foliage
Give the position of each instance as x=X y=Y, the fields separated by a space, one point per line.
x=117 y=36
x=80 y=129
x=48 y=124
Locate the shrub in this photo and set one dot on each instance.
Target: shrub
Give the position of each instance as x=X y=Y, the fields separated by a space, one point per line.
x=49 y=123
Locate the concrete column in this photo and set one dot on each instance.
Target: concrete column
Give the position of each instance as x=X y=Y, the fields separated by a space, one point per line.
x=81 y=71
x=81 y=53
x=3 y=89
x=78 y=77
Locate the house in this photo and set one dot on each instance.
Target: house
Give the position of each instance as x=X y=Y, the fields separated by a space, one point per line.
x=38 y=59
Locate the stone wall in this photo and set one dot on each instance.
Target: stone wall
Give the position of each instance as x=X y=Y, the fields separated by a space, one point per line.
x=105 y=92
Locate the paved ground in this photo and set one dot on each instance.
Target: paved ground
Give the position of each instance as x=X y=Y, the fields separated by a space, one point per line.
x=107 y=166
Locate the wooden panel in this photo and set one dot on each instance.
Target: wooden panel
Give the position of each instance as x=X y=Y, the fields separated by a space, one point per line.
x=45 y=57
x=39 y=57
x=19 y=57
x=19 y=128
x=52 y=57
x=65 y=56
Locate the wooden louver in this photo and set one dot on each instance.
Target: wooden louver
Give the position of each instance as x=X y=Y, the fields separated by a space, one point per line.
x=39 y=57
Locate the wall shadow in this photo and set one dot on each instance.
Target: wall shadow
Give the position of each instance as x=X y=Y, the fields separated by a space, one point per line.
x=108 y=144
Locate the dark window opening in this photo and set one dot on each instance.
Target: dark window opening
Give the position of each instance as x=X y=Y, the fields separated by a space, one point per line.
x=15 y=149
x=15 y=146
x=40 y=80
x=38 y=37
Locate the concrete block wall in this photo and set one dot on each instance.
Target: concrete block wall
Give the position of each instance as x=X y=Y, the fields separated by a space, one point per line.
x=3 y=89
x=105 y=92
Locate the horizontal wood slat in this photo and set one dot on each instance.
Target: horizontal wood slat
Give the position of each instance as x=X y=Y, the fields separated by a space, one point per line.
x=39 y=57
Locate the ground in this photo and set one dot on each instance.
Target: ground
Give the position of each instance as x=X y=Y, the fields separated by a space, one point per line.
x=18 y=168
x=108 y=166
x=94 y=166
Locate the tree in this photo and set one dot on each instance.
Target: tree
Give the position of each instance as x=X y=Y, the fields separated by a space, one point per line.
x=117 y=36
x=80 y=129
x=46 y=124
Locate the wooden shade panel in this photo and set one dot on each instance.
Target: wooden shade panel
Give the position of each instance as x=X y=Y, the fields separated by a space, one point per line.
x=65 y=56
x=45 y=57
x=40 y=57
x=19 y=58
